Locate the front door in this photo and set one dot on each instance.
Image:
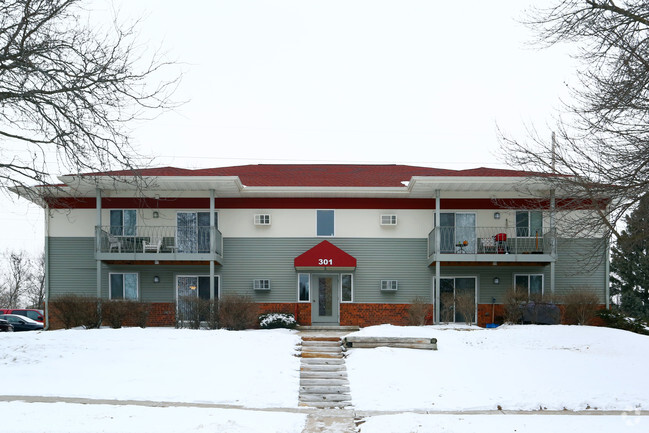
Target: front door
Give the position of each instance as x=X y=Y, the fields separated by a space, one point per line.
x=325 y=304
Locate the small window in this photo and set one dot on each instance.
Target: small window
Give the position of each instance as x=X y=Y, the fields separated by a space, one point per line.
x=303 y=287
x=261 y=284
x=123 y=286
x=388 y=220
x=262 y=219
x=325 y=222
x=389 y=285
x=346 y=288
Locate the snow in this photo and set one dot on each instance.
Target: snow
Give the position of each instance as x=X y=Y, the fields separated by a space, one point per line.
x=418 y=423
x=83 y=418
x=245 y=381
x=512 y=367
x=247 y=368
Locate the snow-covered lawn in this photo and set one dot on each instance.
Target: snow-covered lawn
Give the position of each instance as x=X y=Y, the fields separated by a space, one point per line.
x=247 y=368
x=514 y=367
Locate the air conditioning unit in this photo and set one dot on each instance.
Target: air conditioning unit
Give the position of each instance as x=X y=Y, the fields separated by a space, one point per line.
x=261 y=284
x=262 y=219
x=389 y=220
x=389 y=285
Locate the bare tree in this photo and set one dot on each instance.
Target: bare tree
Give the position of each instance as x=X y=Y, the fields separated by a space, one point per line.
x=35 y=287
x=15 y=279
x=69 y=90
x=602 y=135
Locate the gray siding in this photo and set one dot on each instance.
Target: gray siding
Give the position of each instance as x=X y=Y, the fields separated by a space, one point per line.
x=73 y=269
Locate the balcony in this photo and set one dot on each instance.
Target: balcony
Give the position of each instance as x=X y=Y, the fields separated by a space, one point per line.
x=489 y=244
x=143 y=243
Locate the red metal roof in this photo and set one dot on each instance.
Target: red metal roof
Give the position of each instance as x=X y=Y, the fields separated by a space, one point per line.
x=321 y=175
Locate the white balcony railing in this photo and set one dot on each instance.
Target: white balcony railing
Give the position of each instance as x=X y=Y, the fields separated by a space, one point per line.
x=488 y=240
x=159 y=239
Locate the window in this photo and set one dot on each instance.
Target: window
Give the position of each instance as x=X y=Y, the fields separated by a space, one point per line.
x=325 y=222
x=123 y=286
x=123 y=222
x=388 y=220
x=529 y=223
x=346 y=288
x=303 y=287
x=261 y=284
x=262 y=219
x=532 y=283
x=389 y=285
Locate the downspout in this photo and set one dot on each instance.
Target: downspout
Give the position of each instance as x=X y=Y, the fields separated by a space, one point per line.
x=212 y=244
x=46 y=266
x=437 y=263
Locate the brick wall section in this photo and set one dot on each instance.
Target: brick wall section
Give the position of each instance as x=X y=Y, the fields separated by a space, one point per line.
x=301 y=310
x=162 y=314
x=373 y=314
x=486 y=315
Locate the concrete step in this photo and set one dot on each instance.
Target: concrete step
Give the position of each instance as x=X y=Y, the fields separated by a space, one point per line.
x=324 y=397
x=324 y=390
x=320 y=338
x=336 y=328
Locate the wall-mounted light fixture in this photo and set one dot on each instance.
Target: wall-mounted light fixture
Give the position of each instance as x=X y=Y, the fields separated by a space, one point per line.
x=156 y=279
x=496 y=280
x=156 y=214
x=496 y=215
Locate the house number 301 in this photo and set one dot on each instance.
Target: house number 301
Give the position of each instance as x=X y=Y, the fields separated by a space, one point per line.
x=325 y=262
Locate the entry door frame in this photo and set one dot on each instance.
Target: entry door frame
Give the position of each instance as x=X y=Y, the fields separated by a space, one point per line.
x=316 y=317
x=476 y=292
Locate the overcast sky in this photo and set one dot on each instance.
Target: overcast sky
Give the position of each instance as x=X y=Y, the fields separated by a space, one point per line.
x=411 y=82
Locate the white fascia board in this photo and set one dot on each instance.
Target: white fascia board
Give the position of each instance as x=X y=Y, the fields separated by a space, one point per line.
x=88 y=184
x=466 y=183
x=337 y=191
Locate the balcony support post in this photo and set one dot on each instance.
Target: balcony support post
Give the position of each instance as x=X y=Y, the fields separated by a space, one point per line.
x=212 y=244
x=98 y=240
x=437 y=263
x=553 y=239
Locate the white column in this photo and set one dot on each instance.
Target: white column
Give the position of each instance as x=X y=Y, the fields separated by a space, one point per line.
x=436 y=256
x=98 y=240
x=212 y=244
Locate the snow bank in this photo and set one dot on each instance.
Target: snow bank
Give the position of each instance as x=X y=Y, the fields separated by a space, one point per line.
x=514 y=367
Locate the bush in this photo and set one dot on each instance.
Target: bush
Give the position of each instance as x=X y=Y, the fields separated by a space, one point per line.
x=238 y=312
x=192 y=312
x=447 y=307
x=417 y=312
x=114 y=312
x=73 y=311
x=618 y=320
x=580 y=306
x=465 y=305
x=277 y=320
x=140 y=313
x=514 y=301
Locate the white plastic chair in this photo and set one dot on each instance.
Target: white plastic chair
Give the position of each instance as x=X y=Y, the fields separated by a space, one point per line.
x=154 y=245
x=114 y=242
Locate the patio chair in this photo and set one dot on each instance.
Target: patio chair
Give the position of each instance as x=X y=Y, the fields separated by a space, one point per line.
x=114 y=242
x=154 y=245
